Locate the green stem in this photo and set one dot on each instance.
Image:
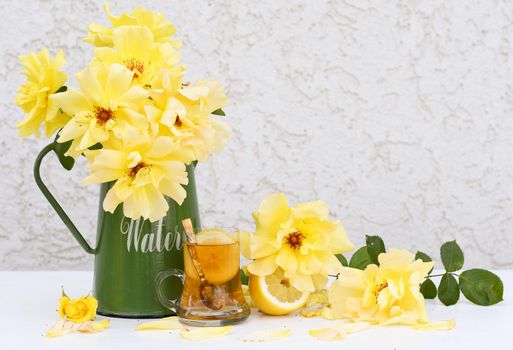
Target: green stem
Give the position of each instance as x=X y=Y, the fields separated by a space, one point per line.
x=441 y=274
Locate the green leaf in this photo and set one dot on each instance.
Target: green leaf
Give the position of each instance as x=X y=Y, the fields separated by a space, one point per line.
x=61 y=148
x=219 y=112
x=96 y=146
x=342 y=259
x=428 y=289
x=360 y=259
x=448 y=290
x=63 y=88
x=375 y=246
x=424 y=257
x=481 y=287
x=243 y=278
x=452 y=256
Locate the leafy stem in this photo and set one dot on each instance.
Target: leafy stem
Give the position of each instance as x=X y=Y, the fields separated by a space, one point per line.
x=441 y=274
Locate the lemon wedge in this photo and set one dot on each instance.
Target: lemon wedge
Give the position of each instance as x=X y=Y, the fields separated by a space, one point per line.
x=274 y=295
x=214 y=236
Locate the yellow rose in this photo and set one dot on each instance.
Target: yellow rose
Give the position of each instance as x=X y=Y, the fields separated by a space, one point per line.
x=77 y=310
x=301 y=240
x=184 y=113
x=143 y=175
x=161 y=29
x=106 y=109
x=44 y=78
x=135 y=48
x=384 y=294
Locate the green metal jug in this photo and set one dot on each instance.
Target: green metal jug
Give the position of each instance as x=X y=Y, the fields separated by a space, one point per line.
x=130 y=253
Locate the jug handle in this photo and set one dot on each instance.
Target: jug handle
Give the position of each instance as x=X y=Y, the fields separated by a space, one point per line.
x=53 y=202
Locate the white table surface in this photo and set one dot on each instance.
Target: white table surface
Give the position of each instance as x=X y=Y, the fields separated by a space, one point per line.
x=29 y=300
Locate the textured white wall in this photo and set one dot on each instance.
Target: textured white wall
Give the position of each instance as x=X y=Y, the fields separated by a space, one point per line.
x=399 y=114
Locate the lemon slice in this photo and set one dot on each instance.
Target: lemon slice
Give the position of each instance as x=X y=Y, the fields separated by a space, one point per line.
x=214 y=236
x=274 y=295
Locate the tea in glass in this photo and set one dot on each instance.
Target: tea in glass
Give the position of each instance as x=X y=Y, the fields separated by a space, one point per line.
x=218 y=258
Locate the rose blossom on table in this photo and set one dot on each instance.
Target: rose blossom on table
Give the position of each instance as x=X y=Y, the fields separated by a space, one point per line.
x=301 y=240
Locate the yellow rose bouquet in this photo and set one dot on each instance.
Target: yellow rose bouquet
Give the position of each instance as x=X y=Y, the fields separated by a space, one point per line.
x=133 y=116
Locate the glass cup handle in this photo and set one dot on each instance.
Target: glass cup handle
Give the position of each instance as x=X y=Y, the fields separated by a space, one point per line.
x=171 y=304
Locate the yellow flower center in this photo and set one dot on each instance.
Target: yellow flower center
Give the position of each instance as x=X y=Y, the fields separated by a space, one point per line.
x=294 y=239
x=75 y=310
x=103 y=115
x=135 y=66
x=178 y=122
x=135 y=169
x=378 y=288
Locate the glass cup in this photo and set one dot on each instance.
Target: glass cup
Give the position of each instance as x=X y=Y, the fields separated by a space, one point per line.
x=215 y=300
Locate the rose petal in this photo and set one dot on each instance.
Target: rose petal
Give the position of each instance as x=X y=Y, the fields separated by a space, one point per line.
x=320 y=297
x=315 y=305
x=309 y=312
x=204 y=333
x=332 y=333
x=265 y=336
x=339 y=331
x=327 y=313
x=436 y=326
x=167 y=323
x=63 y=327
x=93 y=326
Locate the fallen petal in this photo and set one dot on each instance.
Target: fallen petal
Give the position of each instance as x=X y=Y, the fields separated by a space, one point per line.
x=204 y=333
x=309 y=312
x=167 y=323
x=93 y=326
x=331 y=333
x=315 y=305
x=61 y=328
x=436 y=326
x=339 y=331
x=265 y=336
x=317 y=298
x=327 y=313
